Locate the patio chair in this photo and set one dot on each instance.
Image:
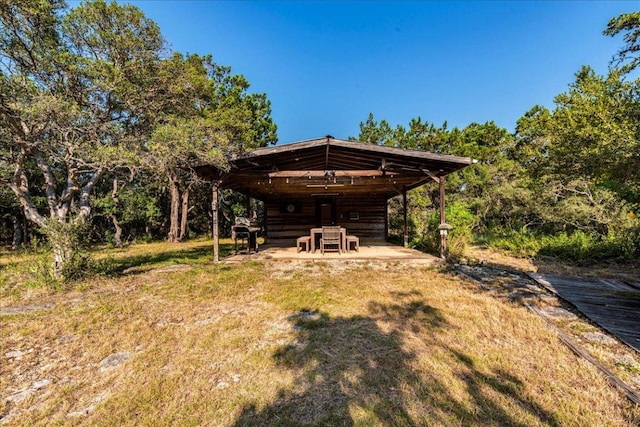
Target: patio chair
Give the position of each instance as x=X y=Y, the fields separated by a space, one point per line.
x=330 y=239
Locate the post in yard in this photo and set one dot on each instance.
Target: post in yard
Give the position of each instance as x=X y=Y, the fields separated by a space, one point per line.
x=405 y=239
x=443 y=227
x=214 y=208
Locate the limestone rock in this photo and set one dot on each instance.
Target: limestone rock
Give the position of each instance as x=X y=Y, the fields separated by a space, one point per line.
x=113 y=360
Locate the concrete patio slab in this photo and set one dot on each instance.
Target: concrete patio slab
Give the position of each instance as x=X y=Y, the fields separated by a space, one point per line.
x=369 y=251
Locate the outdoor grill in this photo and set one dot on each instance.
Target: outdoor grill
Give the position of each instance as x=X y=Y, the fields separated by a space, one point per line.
x=244 y=233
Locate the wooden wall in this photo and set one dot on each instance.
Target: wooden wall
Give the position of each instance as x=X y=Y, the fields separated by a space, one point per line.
x=372 y=213
x=364 y=217
x=283 y=225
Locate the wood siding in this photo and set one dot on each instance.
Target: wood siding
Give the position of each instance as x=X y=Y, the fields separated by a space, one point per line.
x=364 y=217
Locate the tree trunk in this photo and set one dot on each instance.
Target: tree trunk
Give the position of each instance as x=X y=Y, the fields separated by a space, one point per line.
x=117 y=238
x=114 y=195
x=25 y=230
x=61 y=256
x=17 y=232
x=185 y=214
x=63 y=238
x=174 y=229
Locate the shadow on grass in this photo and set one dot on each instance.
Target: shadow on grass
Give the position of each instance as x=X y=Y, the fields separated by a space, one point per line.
x=145 y=262
x=359 y=370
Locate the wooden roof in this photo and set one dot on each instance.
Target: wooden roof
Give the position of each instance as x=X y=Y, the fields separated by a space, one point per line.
x=333 y=167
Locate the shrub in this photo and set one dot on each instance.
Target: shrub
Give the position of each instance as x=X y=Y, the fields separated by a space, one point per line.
x=576 y=247
x=79 y=266
x=463 y=223
x=520 y=244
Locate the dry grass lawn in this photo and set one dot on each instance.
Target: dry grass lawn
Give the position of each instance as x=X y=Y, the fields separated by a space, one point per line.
x=284 y=343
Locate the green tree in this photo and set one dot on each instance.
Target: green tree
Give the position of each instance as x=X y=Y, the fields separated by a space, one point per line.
x=73 y=89
x=481 y=195
x=627 y=24
x=12 y=221
x=582 y=156
x=376 y=133
x=130 y=204
x=207 y=116
x=593 y=134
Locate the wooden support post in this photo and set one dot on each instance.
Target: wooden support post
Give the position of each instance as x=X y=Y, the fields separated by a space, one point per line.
x=386 y=220
x=265 y=222
x=405 y=239
x=216 y=231
x=443 y=236
x=249 y=206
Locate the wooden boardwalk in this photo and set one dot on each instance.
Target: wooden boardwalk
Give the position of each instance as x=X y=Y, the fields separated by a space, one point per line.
x=613 y=304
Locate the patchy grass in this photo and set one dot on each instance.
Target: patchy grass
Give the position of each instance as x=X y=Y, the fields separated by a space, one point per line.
x=25 y=276
x=286 y=344
x=141 y=258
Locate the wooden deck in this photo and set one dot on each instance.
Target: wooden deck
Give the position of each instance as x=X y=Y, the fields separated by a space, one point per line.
x=613 y=304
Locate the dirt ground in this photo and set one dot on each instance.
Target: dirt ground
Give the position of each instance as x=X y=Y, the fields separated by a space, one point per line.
x=478 y=255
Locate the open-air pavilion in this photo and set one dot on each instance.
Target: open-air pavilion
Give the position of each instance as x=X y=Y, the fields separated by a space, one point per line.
x=329 y=181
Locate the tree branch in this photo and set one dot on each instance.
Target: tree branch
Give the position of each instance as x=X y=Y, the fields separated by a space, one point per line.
x=50 y=181
x=85 y=206
x=20 y=187
x=72 y=173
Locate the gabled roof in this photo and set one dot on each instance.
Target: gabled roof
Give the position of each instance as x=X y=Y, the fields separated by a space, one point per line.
x=329 y=164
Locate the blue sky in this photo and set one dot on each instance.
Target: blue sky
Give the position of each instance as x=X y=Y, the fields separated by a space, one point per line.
x=326 y=65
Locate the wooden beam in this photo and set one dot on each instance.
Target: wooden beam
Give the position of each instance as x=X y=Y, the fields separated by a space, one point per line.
x=419 y=183
x=216 y=231
x=326 y=157
x=430 y=174
x=322 y=173
x=265 y=223
x=386 y=220
x=441 y=188
x=443 y=237
x=405 y=239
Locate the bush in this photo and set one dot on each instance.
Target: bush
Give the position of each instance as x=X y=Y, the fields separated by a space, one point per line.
x=463 y=223
x=576 y=247
x=81 y=265
x=520 y=244
x=627 y=235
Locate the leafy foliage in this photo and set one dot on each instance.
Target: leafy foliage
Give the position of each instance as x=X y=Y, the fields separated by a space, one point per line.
x=567 y=174
x=629 y=25
x=207 y=117
x=479 y=196
x=73 y=91
x=90 y=92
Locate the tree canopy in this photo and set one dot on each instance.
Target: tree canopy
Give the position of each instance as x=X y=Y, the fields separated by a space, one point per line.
x=92 y=90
